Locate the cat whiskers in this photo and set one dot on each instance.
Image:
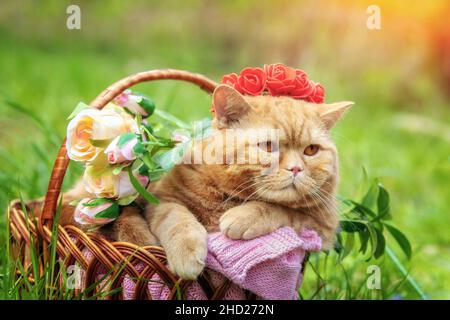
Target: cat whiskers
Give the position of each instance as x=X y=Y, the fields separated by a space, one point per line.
x=306 y=202
x=325 y=194
x=270 y=183
x=324 y=198
x=259 y=190
x=235 y=194
x=304 y=184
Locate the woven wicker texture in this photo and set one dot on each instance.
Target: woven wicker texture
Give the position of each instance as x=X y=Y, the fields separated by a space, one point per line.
x=72 y=243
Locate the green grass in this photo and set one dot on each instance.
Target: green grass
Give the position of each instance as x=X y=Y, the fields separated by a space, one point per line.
x=44 y=74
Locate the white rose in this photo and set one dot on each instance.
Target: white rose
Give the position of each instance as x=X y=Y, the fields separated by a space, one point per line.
x=93 y=124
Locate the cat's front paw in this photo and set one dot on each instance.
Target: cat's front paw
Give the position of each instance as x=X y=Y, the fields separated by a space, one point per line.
x=186 y=253
x=242 y=223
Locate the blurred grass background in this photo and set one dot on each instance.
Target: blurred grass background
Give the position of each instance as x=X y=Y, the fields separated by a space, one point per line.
x=399 y=78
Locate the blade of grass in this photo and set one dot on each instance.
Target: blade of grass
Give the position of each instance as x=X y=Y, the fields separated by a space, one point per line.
x=409 y=279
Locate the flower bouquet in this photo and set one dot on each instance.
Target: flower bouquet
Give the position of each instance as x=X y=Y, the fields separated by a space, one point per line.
x=124 y=146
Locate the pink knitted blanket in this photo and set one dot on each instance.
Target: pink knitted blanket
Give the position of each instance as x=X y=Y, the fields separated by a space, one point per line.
x=269 y=266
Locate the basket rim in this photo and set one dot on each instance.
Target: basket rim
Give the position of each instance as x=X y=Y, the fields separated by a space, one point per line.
x=72 y=241
x=62 y=161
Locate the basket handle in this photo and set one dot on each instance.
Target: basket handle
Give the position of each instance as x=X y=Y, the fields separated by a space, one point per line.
x=62 y=160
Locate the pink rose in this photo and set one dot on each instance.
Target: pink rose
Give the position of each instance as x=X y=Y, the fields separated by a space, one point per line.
x=124 y=187
x=123 y=98
x=318 y=94
x=87 y=214
x=136 y=103
x=123 y=153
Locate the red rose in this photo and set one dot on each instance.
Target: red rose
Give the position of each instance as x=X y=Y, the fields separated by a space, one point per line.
x=280 y=79
x=232 y=80
x=317 y=96
x=303 y=87
x=252 y=81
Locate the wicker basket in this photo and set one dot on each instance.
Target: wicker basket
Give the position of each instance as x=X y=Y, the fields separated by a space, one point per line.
x=72 y=242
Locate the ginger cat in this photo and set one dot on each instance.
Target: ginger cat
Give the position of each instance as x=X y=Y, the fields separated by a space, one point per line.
x=238 y=199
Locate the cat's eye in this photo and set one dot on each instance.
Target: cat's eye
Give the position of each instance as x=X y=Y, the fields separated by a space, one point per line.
x=311 y=150
x=268 y=146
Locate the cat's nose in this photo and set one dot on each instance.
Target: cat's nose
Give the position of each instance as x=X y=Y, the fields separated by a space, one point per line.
x=295 y=170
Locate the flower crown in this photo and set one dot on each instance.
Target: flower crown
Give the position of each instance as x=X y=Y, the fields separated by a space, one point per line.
x=277 y=80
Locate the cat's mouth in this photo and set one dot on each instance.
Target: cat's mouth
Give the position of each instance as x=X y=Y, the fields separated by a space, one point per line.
x=280 y=194
x=285 y=188
x=291 y=185
x=295 y=186
x=287 y=184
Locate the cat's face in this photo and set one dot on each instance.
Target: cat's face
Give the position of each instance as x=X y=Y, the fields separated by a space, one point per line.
x=307 y=161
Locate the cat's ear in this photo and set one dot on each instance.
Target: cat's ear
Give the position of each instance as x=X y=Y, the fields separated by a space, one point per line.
x=330 y=113
x=229 y=105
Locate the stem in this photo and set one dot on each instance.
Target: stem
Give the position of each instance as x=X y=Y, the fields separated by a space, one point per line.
x=412 y=282
x=151 y=143
x=149 y=134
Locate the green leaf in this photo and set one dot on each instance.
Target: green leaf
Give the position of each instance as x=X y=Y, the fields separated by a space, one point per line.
x=100 y=143
x=369 y=200
x=111 y=212
x=362 y=210
x=348 y=246
x=158 y=144
x=401 y=239
x=381 y=244
x=126 y=201
x=80 y=106
x=364 y=239
x=96 y=202
x=148 y=161
x=149 y=133
x=118 y=168
x=155 y=174
x=143 y=170
x=172 y=157
x=352 y=226
x=136 y=164
x=139 y=148
x=373 y=238
x=139 y=188
x=148 y=127
x=338 y=244
x=148 y=105
x=124 y=138
x=383 y=205
x=138 y=119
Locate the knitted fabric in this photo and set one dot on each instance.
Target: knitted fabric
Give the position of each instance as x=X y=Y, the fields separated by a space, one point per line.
x=269 y=266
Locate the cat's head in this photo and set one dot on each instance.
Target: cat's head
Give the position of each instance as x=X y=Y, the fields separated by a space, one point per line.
x=307 y=167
